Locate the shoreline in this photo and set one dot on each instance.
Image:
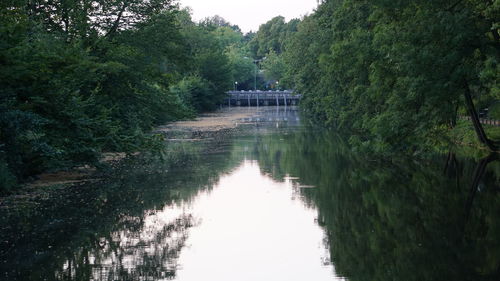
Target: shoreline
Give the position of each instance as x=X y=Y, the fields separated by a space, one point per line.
x=204 y=126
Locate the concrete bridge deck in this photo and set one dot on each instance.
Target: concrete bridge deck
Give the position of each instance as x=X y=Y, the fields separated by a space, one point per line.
x=265 y=98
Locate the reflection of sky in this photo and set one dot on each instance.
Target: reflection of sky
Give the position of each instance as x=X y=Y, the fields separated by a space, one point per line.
x=251 y=229
x=152 y=250
x=248 y=227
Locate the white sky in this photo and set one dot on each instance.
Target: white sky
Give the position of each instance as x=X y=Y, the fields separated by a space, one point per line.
x=249 y=14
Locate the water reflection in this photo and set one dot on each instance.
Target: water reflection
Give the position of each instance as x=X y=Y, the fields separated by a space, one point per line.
x=149 y=253
x=244 y=228
x=251 y=230
x=272 y=203
x=114 y=229
x=398 y=220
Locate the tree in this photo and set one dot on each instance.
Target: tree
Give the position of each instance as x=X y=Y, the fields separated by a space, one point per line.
x=273 y=66
x=81 y=77
x=242 y=67
x=393 y=73
x=272 y=36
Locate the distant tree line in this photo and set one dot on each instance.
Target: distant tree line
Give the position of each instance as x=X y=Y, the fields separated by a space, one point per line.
x=393 y=74
x=82 y=77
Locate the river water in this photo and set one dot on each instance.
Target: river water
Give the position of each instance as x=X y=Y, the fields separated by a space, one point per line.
x=272 y=200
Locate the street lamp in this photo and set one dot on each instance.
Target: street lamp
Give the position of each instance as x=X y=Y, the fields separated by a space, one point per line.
x=277 y=85
x=255 y=77
x=235 y=86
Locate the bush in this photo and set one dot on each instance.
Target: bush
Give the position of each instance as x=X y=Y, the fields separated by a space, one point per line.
x=7 y=180
x=494 y=111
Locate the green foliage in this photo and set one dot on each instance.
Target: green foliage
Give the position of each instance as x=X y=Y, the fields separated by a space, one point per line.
x=210 y=62
x=242 y=67
x=78 y=79
x=227 y=36
x=213 y=66
x=216 y=22
x=273 y=66
x=463 y=133
x=272 y=36
x=269 y=44
x=7 y=179
x=47 y=119
x=194 y=91
x=494 y=111
x=391 y=73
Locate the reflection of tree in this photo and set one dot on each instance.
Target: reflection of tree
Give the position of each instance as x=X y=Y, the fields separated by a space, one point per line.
x=476 y=181
x=103 y=230
x=129 y=255
x=398 y=220
x=125 y=255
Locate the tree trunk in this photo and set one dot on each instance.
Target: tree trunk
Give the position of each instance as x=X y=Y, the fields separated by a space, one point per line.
x=478 y=175
x=453 y=121
x=481 y=134
x=116 y=24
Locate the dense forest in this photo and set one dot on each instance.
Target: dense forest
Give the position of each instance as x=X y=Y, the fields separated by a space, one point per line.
x=83 y=77
x=394 y=75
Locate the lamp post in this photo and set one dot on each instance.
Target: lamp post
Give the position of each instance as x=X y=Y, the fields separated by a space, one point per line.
x=235 y=86
x=255 y=77
x=278 y=85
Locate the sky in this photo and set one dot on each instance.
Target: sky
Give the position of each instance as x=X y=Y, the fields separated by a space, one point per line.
x=249 y=14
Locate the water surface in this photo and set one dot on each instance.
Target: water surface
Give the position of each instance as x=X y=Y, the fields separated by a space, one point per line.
x=272 y=201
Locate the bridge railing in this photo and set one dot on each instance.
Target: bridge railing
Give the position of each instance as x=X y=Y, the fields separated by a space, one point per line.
x=257 y=98
x=485 y=121
x=259 y=91
x=263 y=94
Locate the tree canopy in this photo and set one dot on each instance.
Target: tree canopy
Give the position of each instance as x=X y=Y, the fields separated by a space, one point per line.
x=391 y=73
x=82 y=77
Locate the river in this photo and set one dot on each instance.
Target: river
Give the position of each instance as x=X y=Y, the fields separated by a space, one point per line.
x=270 y=200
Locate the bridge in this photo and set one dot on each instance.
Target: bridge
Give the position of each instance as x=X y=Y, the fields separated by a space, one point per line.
x=265 y=98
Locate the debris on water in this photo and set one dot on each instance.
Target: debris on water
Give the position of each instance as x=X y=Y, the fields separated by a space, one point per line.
x=306 y=186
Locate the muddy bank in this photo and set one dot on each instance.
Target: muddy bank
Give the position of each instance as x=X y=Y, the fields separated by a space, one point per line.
x=207 y=126
x=221 y=120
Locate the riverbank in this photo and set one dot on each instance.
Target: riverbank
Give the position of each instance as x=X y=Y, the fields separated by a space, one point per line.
x=463 y=135
x=215 y=125
x=205 y=126
x=225 y=118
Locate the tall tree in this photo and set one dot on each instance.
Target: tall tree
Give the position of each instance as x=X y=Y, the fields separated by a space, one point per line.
x=393 y=73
